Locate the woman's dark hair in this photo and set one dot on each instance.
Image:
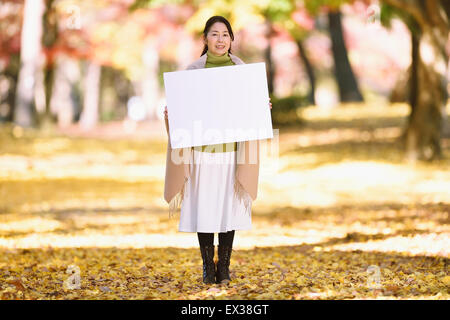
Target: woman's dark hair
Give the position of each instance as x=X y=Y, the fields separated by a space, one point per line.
x=208 y=25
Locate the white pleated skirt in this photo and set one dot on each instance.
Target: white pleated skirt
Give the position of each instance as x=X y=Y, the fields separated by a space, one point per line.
x=209 y=203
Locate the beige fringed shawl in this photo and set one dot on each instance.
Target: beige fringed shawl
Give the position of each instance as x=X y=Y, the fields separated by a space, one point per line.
x=177 y=173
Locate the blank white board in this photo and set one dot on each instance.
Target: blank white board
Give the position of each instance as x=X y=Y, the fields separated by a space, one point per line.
x=218 y=105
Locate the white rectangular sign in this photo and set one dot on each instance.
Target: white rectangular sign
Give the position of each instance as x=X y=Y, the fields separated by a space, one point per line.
x=218 y=105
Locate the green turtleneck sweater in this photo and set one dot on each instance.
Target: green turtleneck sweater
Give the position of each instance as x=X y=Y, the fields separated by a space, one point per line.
x=211 y=62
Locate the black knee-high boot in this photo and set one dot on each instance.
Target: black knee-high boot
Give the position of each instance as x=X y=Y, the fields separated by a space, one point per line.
x=224 y=250
x=206 y=241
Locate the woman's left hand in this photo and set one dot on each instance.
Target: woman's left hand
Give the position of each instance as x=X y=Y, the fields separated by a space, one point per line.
x=270 y=104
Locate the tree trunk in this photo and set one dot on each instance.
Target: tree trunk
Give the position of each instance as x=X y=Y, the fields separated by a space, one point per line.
x=150 y=91
x=8 y=88
x=63 y=101
x=39 y=90
x=89 y=116
x=348 y=86
x=425 y=126
x=268 y=57
x=413 y=74
x=24 y=111
x=309 y=72
x=49 y=39
x=405 y=89
x=428 y=99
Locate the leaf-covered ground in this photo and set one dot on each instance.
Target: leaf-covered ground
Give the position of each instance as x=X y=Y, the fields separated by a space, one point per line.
x=339 y=215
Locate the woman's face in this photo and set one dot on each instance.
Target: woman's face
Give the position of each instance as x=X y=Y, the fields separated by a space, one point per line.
x=218 y=39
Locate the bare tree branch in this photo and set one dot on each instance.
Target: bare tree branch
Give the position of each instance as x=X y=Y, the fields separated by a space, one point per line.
x=446 y=7
x=423 y=20
x=433 y=8
x=411 y=9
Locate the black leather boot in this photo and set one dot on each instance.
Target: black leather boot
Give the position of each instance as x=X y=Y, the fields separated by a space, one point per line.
x=209 y=267
x=223 y=264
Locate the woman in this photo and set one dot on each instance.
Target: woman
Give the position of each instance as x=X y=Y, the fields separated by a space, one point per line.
x=214 y=191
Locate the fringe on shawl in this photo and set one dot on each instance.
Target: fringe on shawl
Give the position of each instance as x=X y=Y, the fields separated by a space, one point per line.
x=239 y=193
x=177 y=200
x=242 y=196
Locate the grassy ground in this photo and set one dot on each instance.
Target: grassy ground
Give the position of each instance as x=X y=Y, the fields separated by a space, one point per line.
x=339 y=215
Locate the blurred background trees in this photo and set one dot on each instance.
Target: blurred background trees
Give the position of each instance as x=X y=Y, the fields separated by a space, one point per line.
x=69 y=63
